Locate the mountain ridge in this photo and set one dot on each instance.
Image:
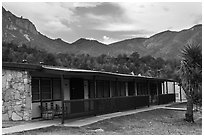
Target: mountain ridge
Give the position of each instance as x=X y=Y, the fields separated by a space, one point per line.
x=165 y=44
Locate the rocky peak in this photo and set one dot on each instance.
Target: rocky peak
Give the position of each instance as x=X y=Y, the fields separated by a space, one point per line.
x=27 y=25
x=19 y=22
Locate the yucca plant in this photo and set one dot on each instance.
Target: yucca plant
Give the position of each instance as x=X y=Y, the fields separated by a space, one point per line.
x=191 y=76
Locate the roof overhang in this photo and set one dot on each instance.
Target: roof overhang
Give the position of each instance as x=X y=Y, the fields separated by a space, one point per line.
x=68 y=71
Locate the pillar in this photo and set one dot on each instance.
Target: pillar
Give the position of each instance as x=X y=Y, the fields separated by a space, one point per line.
x=157 y=83
x=135 y=88
x=95 y=86
x=174 y=88
x=116 y=88
x=174 y=92
x=86 y=89
x=126 y=88
x=148 y=91
x=166 y=87
x=62 y=97
x=86 y=95
x=148 y=87
x=66 y=88
x=163 y=88
x=180 y=94
x=110 y=89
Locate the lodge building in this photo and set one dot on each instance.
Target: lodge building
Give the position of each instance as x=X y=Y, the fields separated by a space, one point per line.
x=28 y=90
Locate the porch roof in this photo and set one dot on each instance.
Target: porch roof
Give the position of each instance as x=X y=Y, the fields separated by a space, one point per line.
x=66 y=71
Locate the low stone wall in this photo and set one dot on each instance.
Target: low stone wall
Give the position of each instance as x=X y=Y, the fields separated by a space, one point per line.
x=16 y=95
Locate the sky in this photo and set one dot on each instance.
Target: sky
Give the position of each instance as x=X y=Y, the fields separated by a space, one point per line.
x=107 y=22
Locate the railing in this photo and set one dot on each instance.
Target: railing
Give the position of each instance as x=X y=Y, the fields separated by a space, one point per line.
x=166 y=98
x=82 y=107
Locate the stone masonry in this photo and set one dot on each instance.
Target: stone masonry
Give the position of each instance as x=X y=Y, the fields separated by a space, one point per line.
x=16 y=95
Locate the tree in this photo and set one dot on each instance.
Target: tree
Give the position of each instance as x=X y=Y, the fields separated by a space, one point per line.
x=191 y=76
x=50 y=60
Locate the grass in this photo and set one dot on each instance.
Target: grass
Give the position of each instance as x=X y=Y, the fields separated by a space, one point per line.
x=154 y=122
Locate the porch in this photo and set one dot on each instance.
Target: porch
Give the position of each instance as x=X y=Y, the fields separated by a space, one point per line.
x=82 y=93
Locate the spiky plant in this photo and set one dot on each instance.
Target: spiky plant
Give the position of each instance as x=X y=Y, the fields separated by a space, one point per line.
x=191 y=76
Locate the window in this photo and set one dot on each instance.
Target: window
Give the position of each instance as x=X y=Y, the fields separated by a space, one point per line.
x=114 y=88
x=122 y=87
x=91 y=89
x=99 y=87
x=56 y=89
x=35 y=90
x=46 y=89
x=106 y=89
x=131 y=89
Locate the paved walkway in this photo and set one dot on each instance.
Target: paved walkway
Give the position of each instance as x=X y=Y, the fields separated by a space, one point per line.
x=75 y=122
x=30 y=126
x=171 y=108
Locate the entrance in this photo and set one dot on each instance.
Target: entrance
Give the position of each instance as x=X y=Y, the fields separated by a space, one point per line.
x=76 y=88
x=77 y=92
x=153 y=93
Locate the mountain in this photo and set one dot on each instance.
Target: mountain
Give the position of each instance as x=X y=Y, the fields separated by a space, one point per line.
x=166 y=44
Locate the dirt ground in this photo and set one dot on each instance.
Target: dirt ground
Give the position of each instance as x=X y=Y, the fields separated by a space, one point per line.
x=155 y=122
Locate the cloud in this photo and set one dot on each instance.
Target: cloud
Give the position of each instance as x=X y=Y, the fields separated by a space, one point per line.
x=165 y=9
x=107 y=21
x=108 y=40
x=106 y=8
x=86 y=4
x=46 y=16
x=117 y=27
x=197 y=19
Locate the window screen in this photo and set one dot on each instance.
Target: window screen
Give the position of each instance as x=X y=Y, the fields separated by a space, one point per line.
x=99 y=87
x=46 y=89
x=56 y=89
x=106 y=89
x=91 y=89
x=35 y=90
x=131 y=89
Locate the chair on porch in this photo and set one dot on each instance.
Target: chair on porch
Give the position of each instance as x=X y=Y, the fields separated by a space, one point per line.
x=58 y=110
x=47 y=112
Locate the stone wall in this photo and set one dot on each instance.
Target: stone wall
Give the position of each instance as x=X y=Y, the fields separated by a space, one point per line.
x=16 y=95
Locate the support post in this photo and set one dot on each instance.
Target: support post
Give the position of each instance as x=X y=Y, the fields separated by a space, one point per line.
x=166 y=87
x=157 y=88
x=163 y=88
x=86 y=90
x=157 y=92
x=110 y=88
x=126 y=88
x=148 y=90
x=116 y=87
x=174 y=92
x=86 y=96
x=62 y=97
x=95 y=86
x=136 y=92
x=180 y=94
x=41 y=104
x=148 y=87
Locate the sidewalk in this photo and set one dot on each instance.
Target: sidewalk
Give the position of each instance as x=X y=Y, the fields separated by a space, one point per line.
x=171 y=108
x=30 y=126
x=75 y=122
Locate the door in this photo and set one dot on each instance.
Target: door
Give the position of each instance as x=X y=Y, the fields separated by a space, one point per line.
x=153 y=93
x=77 y=92
x=76 y=89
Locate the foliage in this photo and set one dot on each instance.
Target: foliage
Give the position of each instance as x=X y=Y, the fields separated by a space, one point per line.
x=191 y=77
x=132 y=64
